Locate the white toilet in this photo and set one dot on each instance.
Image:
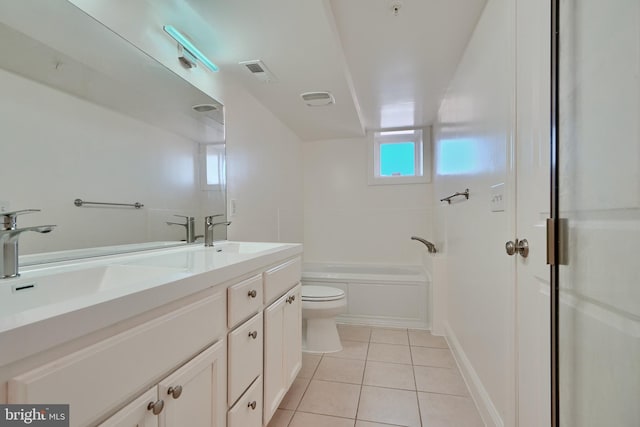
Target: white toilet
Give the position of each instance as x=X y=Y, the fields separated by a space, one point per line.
x=320 y=306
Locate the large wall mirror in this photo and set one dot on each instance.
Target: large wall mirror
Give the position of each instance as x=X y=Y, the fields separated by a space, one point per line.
x=86 y=115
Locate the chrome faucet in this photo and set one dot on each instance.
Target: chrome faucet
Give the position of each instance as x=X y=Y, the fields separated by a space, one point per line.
x=189 y=225
x=9 y=235
x=430 y=246
x=208 y=228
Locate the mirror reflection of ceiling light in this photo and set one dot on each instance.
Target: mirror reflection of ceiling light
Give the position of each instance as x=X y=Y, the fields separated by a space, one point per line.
x=190 y=49
x=318 y=99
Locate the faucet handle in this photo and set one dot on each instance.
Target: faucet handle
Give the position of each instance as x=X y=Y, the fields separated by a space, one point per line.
x=187 y=218
x=10 y=218
x=208 y=220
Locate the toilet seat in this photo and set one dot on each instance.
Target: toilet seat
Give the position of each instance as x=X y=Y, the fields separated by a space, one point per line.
x=321 y=293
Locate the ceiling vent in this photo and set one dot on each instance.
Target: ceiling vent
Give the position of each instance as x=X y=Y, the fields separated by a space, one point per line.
x=318 y=99
x=259 y=71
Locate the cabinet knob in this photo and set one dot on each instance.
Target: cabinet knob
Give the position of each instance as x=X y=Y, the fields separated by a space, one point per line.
x=252 y=405
x=291 y=299
x=156 y=407
x=175 y=392
x=252 y=293
x=253 y=334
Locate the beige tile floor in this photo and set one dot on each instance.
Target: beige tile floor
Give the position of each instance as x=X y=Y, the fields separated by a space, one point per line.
x=381 y=378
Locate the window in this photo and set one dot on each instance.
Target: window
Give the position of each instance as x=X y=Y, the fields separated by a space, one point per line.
x=212 y=166
x=400 y=157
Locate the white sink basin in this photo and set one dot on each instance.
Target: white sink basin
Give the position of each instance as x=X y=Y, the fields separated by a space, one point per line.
x=38 y=289
x=246 y=247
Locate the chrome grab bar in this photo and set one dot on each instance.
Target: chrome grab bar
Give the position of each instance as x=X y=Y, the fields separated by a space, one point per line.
x=465 y=193
x=430 y=246
x=80 y=202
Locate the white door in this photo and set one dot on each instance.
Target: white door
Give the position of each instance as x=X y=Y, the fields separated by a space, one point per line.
x=599 y=171
x=532 y=209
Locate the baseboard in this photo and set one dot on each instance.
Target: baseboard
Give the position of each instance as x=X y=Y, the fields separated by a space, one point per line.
x=382 y=322
x=479 y=394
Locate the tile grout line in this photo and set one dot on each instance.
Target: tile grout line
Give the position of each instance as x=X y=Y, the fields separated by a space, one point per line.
x=305 y=390
x=366 y=361
x=415 y=381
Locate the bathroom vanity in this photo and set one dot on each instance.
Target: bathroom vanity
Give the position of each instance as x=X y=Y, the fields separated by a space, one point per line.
x=179 y=336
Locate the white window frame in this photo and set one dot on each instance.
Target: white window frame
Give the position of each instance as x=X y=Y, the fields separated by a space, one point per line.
x=421 y=137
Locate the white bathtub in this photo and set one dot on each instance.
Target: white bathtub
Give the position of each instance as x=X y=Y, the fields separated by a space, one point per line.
x=395 y=296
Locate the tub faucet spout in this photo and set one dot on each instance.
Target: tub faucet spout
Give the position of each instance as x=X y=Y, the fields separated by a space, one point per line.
x=430 y=246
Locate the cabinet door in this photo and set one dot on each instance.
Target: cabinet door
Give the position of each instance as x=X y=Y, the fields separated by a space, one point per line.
x=195 y=395
x=136 y=413
x=292 y=335
x=273 y=374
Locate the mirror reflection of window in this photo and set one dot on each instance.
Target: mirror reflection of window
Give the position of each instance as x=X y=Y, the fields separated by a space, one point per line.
x=212 y=166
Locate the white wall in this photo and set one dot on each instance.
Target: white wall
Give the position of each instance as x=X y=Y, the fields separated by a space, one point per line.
x=56 y=148
x=348 y=221
x=264 y=170
x=472 y=146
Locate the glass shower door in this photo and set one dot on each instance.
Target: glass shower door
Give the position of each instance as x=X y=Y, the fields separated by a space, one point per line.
x=598 y=185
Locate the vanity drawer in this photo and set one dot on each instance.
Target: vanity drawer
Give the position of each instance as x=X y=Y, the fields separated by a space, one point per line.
x=103 y=376
x=280 y=279
x=244 y=299
x=247 y=412
x=244 y=361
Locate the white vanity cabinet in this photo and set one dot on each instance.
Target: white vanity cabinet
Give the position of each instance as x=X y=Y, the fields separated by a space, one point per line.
x=221 y=356
x=192 y=396
x=282 y=334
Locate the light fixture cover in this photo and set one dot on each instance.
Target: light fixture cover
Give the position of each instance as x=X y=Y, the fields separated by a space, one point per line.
x=318 y=99
x=190 y=47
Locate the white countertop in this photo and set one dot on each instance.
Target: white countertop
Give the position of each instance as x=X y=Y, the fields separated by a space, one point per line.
x=50 y=304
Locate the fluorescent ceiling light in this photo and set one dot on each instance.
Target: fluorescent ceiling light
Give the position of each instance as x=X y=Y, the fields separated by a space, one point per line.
x=186 y=43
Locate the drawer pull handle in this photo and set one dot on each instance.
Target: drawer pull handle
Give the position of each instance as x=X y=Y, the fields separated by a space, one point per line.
x=291 y=299
x=175 y=392
x=156 y=407
x=253 y=334
x=252 y=405
x=252 y=293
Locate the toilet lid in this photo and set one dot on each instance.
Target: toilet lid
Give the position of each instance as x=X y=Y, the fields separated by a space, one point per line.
x=321 y=293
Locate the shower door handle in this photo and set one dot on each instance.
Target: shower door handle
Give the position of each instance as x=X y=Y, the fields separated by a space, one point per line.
x=519 y=246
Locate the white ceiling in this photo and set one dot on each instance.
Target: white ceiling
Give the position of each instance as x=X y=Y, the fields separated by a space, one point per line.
x=383 y=70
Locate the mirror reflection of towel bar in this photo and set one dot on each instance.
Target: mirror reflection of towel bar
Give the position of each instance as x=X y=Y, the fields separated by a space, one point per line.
x=80 y=202
x=465 y=193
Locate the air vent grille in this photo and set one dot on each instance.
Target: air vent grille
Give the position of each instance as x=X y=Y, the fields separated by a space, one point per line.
x=259 y=71
x=254 y=68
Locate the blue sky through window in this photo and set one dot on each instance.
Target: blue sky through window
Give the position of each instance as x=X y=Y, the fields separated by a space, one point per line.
x=397 y=159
